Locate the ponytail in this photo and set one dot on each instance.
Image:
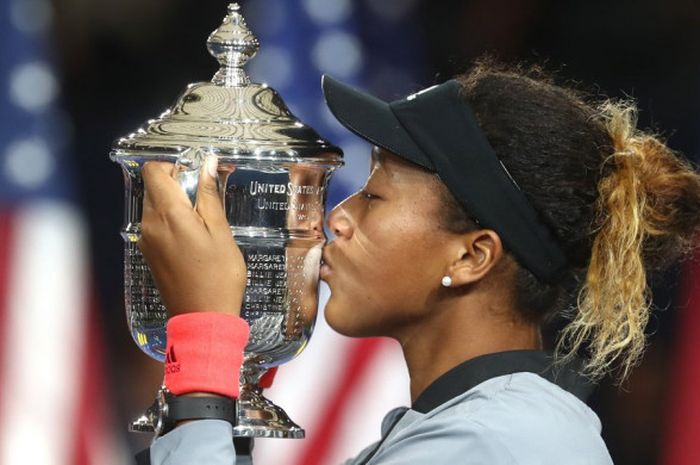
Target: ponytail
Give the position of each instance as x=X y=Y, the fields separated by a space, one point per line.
x=647 y=212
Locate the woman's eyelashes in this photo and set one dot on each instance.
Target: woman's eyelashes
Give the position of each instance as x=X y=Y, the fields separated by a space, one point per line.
x=368 y=195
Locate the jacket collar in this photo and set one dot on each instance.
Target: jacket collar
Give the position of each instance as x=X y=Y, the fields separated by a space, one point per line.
x=468 y=374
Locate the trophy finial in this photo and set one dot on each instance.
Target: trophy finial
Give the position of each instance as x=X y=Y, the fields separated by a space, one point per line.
x=232 y=44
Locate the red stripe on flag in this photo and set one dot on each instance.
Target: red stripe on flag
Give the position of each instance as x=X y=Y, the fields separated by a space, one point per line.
x=359 y=357
x=682 y=445
x=6 y=246
x=6 y=242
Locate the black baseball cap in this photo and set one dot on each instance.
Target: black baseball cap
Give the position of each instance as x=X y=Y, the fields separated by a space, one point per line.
x=437 y=130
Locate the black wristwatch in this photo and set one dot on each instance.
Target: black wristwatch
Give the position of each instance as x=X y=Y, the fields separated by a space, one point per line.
x=172 y=409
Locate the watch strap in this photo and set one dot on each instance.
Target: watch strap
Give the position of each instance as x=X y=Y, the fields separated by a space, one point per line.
x=182 y=408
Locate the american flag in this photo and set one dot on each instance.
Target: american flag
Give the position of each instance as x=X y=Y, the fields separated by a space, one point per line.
x=338 y=389
x=52 y=397
x=681 y=445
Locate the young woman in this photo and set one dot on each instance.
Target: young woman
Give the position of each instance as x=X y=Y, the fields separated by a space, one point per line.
x=495 y=201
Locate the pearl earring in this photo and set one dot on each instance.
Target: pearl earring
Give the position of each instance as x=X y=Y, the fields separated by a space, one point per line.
x=446 y=281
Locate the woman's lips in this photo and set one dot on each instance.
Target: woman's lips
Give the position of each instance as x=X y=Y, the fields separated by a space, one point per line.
x=325 y=269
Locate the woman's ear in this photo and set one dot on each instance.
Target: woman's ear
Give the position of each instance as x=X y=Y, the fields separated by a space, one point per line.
x=479 y=252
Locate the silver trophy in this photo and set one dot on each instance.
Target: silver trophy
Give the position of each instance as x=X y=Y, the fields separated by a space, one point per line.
x=273 y=173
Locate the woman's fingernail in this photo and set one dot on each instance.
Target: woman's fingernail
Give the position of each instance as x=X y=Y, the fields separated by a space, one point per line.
x=212 y=163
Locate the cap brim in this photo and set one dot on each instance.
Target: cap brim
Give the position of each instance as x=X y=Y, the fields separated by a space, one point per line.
x=372 y=119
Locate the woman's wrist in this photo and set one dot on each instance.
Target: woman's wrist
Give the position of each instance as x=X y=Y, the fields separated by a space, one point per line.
x=204 y=353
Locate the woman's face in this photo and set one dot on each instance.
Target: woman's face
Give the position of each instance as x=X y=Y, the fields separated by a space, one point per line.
x=387 y=259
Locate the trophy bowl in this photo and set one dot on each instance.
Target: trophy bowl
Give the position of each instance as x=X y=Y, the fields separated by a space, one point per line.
x=273 y=172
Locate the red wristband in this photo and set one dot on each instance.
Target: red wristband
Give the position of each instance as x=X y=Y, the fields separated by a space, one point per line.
x=205 y=353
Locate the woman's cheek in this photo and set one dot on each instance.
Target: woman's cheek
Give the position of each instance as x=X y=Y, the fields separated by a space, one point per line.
x=353 y=312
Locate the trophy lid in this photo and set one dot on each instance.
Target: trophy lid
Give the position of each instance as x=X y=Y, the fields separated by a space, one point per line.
x=229 y=116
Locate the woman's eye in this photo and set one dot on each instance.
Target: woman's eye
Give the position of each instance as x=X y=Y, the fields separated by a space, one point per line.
x=367 y=195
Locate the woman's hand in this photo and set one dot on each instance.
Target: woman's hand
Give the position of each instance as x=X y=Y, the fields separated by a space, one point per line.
x=196 y=264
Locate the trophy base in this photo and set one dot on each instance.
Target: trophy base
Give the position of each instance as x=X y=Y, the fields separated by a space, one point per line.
x=141 y=425
x=257 y=418
x=260 y=418
x=146 y=422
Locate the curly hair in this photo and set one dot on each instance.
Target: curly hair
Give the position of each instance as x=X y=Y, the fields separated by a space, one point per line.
x=619 y=201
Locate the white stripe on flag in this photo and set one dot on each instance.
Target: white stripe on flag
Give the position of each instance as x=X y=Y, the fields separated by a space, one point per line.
x=384 y=387
x=44 y=340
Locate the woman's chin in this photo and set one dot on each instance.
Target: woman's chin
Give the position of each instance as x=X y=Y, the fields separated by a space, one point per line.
x=332 y=318
x=336 y=317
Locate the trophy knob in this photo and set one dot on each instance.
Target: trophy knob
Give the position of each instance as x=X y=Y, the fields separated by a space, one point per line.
x=232 y=44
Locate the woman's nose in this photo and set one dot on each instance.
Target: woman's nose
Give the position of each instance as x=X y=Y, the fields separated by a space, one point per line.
x=339 y=222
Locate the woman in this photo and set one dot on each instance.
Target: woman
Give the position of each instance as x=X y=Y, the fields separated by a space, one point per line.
x=495 y=202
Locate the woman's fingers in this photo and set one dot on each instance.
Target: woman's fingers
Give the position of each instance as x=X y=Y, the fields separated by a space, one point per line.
x=210 y=206
x=193 y=258
x=164 y=197
x=162 y=190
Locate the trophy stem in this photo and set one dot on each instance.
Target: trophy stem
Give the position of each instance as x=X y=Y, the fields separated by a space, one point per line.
x=257 y=415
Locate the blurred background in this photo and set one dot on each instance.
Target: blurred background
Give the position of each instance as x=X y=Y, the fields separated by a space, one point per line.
x=76 y=74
